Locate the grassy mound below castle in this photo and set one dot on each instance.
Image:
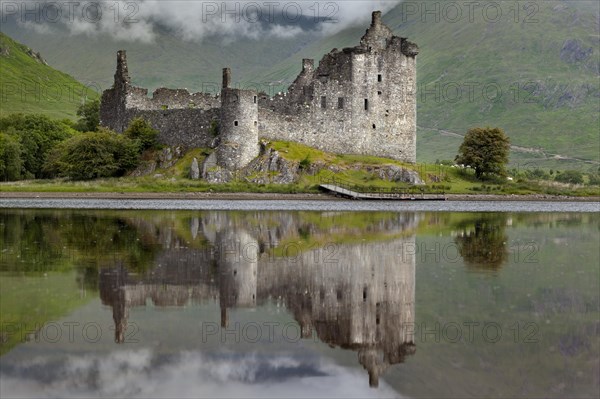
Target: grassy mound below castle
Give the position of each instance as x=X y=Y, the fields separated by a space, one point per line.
x=312 y=166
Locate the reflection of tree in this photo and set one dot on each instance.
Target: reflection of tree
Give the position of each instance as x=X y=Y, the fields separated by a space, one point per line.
x=45 y=241
x=28 y=243
x=482 y=242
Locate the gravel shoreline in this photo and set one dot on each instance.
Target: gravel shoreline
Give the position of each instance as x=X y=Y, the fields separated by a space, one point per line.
x=268 y=196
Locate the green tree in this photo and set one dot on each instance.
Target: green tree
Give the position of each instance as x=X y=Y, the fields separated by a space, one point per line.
x=37 y=136
x=89 y=116
x=10 y=158
x=485 y=150
x=141 y=131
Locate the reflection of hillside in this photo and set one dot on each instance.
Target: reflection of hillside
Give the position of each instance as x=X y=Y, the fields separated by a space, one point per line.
x=358 y=297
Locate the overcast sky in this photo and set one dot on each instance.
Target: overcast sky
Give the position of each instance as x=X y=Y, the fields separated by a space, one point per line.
x=137 y=20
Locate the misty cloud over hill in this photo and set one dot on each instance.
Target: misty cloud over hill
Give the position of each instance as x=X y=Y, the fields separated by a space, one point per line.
x=139 y=20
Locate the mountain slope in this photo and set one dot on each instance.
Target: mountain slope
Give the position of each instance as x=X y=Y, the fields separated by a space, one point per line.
x=29 y=85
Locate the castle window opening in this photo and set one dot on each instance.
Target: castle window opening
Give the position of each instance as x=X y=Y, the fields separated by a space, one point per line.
x=255 y=123
x=379 y=78
x=365 y=294
x=255 y=99
x=379 y=92
x=341 y=103
x=323 y=102
x=366 y=104
x=236 y=123
x=374 y=126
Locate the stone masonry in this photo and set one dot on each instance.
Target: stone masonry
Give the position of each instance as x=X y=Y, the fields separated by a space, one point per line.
x=359 y=100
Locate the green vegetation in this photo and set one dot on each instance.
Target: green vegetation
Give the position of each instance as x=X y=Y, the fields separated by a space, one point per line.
x=139 y=130
x=360 y=171
x=89 y=116
x=94 y=155
x=29 y=140
x=29 y=85
x=35 y=146
x=10 y=158
x=570 y=177
x=486 y=151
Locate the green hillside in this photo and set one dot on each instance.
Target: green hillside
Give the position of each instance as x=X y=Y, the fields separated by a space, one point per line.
x=534 y=74
x=29 y=85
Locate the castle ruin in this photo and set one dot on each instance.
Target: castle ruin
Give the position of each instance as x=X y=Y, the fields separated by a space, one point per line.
x=359 y=100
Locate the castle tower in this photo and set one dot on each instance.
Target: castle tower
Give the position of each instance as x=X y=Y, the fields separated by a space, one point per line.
x=384 y=79
x=122 y=74
x=113 y=107
x=239 y=126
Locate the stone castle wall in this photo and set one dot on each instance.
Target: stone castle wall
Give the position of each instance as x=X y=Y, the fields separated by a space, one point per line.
x=359 y=100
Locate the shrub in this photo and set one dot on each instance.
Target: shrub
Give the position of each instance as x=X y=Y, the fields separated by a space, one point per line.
x=594 y=179
x=143 y=133
x=94 y=155
x=305 y=163
x=570 y=176
x=214 y=128
x=538 y=174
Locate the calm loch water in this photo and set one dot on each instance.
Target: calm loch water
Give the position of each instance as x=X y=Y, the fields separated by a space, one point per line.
x=133 y=303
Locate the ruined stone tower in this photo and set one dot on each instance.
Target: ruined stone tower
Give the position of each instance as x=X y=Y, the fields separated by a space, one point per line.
x=358 y=100
x=238 y=127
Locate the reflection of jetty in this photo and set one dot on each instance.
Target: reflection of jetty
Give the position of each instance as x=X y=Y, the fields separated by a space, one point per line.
x=359 y=297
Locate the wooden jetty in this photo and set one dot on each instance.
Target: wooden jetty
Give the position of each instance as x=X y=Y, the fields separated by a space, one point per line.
x=342 y=189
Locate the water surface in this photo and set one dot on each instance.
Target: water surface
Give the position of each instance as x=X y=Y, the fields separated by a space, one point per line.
x=323 y=303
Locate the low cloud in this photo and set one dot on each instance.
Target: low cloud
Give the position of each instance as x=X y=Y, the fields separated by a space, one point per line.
x=140 y=20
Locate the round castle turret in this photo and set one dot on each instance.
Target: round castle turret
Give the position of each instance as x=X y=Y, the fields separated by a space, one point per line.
x=239 y=126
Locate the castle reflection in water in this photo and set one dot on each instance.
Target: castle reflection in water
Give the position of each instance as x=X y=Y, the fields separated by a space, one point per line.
x=354 y=294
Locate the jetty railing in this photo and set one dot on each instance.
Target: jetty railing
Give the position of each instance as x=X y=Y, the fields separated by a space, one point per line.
x=412 y=192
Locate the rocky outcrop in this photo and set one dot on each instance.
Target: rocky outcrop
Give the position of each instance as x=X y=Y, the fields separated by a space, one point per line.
x=573 y=52
x=195 y=170
x=267 y=168
x=164 y=159
x=36 y=56
x=393 y=173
